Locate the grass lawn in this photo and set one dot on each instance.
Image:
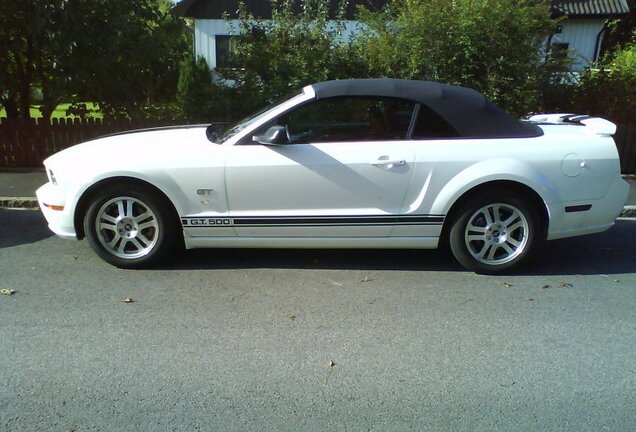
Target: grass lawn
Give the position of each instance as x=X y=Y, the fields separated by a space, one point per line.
x=60 y=111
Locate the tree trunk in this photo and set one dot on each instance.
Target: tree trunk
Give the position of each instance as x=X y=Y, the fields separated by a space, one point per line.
x=10 y=106
x=25 y=78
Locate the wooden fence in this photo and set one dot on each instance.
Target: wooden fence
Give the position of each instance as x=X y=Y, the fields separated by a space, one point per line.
x=626 y=142
x=27 y=142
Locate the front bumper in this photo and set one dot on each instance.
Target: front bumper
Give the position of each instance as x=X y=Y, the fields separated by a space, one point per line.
x=50 y=197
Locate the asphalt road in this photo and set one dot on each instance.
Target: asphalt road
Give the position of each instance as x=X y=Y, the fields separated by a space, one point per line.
x=236 y=340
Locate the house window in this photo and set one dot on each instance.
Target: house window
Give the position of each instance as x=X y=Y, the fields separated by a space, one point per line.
x=560 y=50
x=559 y=57
x=226 y=52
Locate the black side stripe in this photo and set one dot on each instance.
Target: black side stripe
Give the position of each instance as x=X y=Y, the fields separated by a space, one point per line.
x=340 y=220
x=314 y=220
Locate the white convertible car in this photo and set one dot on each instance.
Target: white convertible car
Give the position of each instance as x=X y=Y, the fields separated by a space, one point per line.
x=344 y=164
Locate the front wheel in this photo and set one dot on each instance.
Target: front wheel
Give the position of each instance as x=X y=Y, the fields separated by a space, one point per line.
x=129 y=227
x=494 y=233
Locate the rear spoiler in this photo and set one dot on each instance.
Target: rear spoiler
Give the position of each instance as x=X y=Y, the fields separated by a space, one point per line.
x=596 y=125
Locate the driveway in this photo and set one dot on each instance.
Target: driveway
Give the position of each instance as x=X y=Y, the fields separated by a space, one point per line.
x=240 y=340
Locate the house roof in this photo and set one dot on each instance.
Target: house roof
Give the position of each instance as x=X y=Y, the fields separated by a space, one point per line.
x=467 y=110
x=589 y=8
x=216 y=9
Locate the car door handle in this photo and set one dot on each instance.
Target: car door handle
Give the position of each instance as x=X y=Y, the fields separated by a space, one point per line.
x=385 y=162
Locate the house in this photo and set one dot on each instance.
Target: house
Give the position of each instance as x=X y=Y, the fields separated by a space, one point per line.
x=581 y=32
x=578 y=36
x=216 y=21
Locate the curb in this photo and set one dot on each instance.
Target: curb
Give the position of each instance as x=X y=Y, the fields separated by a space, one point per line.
x=19 y=203
x=32 y=204
x=628 y=211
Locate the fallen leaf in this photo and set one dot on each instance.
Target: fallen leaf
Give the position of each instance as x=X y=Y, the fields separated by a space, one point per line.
x=616 y=280
x=566 y=285
x=505 y=284
x=128 y=300
x=291 y=317
x=6 y=291
x=367 y=279
x=528 y=299
x=545 y=286
x=331 y=363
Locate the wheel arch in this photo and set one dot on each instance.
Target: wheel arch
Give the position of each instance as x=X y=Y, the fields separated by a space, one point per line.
x=498 y=185
x=84 y=201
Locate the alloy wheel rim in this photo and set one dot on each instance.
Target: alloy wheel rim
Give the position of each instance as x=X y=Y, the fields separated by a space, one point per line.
x=126 y=227
x=496 y=234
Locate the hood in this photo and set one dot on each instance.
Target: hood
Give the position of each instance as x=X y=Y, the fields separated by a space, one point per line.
x=130 y=149
x=131 y=152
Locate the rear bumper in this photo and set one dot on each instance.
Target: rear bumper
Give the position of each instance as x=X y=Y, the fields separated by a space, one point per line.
x=600 y=216
x=60 y=221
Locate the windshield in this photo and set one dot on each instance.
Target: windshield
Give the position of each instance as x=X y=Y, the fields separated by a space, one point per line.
x=226 y=133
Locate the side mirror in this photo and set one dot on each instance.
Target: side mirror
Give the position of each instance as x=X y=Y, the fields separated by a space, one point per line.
x=214 y=131
x=275 y=135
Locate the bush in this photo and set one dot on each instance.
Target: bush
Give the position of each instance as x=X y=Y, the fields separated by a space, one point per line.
x=194 y=90
x=300 y=45
x=493 y=46
x=611 y=90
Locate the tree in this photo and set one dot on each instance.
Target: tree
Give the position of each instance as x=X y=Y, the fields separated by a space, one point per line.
x=494 y=46
x=620 y=30
x=194 y=89
x=300 y=45
x=141 y=47
x=610 y=91
x=31 y=52
x=118 y=53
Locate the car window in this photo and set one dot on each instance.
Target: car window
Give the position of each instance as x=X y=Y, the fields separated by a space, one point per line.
x=430 y=125
x=239 y=126
x=346 y=119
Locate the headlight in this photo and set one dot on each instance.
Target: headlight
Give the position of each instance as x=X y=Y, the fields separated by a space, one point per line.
x=51 y=176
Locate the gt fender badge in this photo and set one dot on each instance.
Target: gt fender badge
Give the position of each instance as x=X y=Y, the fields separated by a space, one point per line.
x=204 y=191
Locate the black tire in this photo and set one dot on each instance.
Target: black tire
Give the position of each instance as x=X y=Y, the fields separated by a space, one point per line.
x=494 y=232
x=129 y=226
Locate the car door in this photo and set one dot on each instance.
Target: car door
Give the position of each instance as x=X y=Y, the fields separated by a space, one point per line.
x=440 y=154
x=344 y=172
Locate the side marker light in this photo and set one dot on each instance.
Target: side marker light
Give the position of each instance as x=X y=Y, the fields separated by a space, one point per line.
x=54 y=207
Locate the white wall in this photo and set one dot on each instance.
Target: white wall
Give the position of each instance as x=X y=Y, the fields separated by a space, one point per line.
x=205 y=31
x=204 y=41
x=581 y=35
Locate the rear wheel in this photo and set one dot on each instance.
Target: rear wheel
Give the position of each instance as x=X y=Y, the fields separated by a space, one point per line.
x=129 y=226
x=494 y=232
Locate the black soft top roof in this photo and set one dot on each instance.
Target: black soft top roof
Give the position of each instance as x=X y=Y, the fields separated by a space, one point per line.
x=467 y=110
